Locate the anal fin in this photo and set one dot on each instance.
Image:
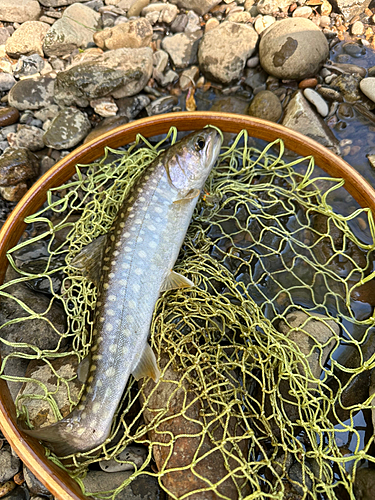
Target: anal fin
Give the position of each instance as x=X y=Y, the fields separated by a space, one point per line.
x=193 y=193
x=175 y=280
x=147 y=366
x=89 y=260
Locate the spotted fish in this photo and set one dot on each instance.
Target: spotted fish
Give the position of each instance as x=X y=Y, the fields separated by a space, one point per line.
x=138 y=255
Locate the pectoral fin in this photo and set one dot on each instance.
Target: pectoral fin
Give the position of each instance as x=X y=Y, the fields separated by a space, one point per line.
x=89 y=260
x=174 y=281
x=147 y=366
x=193 y=193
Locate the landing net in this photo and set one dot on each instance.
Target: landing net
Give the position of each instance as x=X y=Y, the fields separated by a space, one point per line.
x=257 y=361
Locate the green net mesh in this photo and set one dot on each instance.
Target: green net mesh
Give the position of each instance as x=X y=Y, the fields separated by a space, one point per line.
x=257 y=360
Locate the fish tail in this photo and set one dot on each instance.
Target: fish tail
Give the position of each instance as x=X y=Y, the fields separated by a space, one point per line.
x=59 y=437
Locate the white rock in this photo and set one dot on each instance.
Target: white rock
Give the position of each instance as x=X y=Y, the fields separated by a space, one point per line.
x=304 y=11
x=104 y=106
x=262 y=23
x=367 y=85
x=317 y=100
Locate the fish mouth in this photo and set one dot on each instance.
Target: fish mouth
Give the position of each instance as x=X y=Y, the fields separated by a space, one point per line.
x=215 y=145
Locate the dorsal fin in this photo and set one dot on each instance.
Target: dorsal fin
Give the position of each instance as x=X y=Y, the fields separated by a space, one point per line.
x=175 y=280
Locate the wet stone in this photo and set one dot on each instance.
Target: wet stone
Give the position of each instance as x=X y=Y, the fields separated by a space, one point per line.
x=367 y=86
x=350 y=8
x=285 y=49
x=32 y=93
x=348 y=85
x=9 y=464
x=136 y=7
x=74 y=30
x=20 y=11
x=179 y=24
x=167 y=13
x=132 y=106
x=29 y=137
x=266 y=105
x=273 y=6
x=27 y=39
x=224 y=51
x=17 y=165
x=4 y=35
x=231 y=104
x=67 y=129
x=106 y=125
x=161 y=105
x=201 y=7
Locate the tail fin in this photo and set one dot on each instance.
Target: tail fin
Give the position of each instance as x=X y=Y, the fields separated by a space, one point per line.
x=59 y=437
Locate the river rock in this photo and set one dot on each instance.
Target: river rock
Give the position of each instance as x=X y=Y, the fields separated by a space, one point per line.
x=285 y=49
x=33 y=483
x=162 y=105
x=4 y=35
x=132 y=106
x=350 y=8
x=317 y=100
x=367 y=85
x=224 y=50
x=167 y=13
x=201 y=7
x=120 y=73
x=7 y=81
x=230 y=104
x=32 y=93
x=29 y=65
x=348 y=85
x=133 y=34
x=182 y=48
x=364 y=484
x=39 y=410
x=9 y=464
x=266 y=105
x=179 y=433
x=273 y=6
x=20 y=11
x=106 y=125
x=136 y=455
x=74 y=30
x=104 y=106
x=300 y=117
x=17 y=165
x=27 y=39
x=315 y=336
x=143 y=487
x=67 y=129
x=8 y=116
x=29 y=137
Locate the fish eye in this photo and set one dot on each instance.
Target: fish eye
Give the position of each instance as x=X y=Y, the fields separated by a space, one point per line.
x=200 y=144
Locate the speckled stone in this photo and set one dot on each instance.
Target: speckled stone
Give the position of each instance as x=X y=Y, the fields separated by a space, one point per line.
x=19 y=11
x=27 y=39
x=182 y=48
x=132 y=34
x=67 y=129
x=32 y=93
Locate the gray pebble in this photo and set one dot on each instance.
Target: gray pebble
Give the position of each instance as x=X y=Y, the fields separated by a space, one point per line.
x=161 y=105
x=136 y=455
x=29 y=65
x=67 y=129
x=33 y=483
x=179 y=24
x=266 y=105
x=7 y=81
x=29 y=137
x=9 y=464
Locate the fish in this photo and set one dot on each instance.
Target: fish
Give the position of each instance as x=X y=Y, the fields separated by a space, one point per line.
x=137 y=256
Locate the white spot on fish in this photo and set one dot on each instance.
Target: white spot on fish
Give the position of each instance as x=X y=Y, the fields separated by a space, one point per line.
x=112 y=298
x=138 y=271
x=96 y=407
x=127 y=249
x=81 y=407
x=125 y=265
x=122 y=282
x=108 y=327
x=108 y=392
x=101 y=319
x=136 y=287
x=122 y=224
x=99 y=383
x=118 y=243
x=110 y=372
x=122 y=215
x=98 y=304
x=129 y=318
x=105 y=286
x=105 y=268
x=126 y=235
x=92 y=368
x=138 y=221
x=132 y=304
x=111 y=312
x=152 y=244
x=142 y=254
x=130 y=209
x=151 y=227
x=111 y=275
x=116 y=253
x=144 y=208
x=112 y=348
x=127 y=332
x=142 y=198
x=112 y=237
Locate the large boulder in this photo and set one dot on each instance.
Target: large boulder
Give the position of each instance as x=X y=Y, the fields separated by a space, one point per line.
x=293 y=49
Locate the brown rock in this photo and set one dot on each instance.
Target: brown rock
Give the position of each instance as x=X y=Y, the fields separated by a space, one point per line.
x=8 y=116
x=105 y=126
x=27 y=39
x=13 y=193
x=308 y=83
x=133 y=34
x=17 y=165
x=182 y=418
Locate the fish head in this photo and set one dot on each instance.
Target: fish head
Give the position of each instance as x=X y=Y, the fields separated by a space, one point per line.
x=189 y=161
